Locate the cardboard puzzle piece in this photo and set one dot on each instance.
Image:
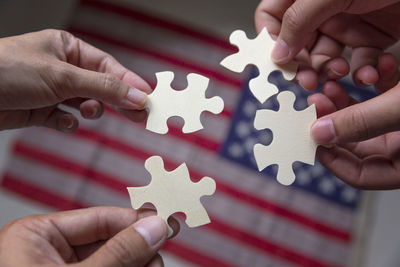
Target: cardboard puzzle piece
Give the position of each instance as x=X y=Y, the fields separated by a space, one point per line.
x=188 y=104
x=172 y=192
x=257 y=52
x=292 y=139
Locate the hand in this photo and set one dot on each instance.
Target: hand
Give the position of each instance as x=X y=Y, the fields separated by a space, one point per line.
x=363 y=138
x=39 y=71
x=100 y=236
x=317 y=31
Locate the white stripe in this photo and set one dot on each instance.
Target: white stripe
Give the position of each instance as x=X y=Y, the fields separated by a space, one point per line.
x=230 y=251
x=172 y=260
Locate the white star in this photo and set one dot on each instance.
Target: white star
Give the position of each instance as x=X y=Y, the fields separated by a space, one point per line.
x=303 y=177
x=235 y=150
x=327 y=186
x=348 y=194
x=242 y=129
x=249 y=108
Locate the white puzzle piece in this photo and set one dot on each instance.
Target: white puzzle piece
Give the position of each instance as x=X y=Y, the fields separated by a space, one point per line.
x=188 y=104
x=292 y=139
x=172 y=192
x=257 y=52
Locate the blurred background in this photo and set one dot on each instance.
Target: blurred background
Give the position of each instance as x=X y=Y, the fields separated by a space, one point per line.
x=318 y=221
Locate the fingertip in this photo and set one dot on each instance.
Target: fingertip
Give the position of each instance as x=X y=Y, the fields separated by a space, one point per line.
x=366 y=76
x=67 y=123
x=323 y=131
x=91 y=109
x=281 y=53
x=153 y=230
x=136 y=81
x=307 y=79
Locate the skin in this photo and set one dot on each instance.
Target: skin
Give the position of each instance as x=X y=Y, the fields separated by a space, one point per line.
x=41 y=70
x=100 y=236
x=360 y=140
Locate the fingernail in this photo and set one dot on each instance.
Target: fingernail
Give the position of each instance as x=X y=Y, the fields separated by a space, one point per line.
x=323 y=132
x=281 y=51
x=153 y=229
x=93 y=113
x=137 y=97
x=67 y=122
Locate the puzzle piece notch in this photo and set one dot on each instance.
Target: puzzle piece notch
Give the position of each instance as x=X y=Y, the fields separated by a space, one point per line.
x=257 y=52
x=188 y=104
x=172 y=192
x=291 y=141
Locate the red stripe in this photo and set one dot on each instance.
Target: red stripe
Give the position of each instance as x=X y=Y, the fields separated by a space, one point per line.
x=177 y=27
x=193 y=138
x=40 y=195
x=243 y=237
x=171 y=59
x=201 y=259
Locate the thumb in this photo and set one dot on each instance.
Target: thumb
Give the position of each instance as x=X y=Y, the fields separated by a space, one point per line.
x=361 y=121
x=299 y=23
x=105 y=87
x=134 y=246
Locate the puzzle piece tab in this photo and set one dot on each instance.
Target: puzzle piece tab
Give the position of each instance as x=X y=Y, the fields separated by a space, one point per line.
x=188 y=104
x=172 y=192
x=291 y=141
x=257 y=52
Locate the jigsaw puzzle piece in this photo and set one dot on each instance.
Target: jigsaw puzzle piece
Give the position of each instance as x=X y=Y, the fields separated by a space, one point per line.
x=188 y=104
x=257 y=52
x=172 y=192
x=291 y=138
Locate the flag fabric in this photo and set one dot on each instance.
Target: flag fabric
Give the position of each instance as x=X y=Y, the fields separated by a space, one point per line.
x=255 y=221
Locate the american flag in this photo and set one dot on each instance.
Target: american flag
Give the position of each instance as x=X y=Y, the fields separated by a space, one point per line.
x=255 y=220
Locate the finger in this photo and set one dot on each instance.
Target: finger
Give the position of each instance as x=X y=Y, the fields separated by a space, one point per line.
x=363 y=63
x=363 y=174
x=86 y=56
x=72 y=82
x=307 y=78
x=269 y=14
x=134 y=246
x=326 y=58
x=337 y=94
x=133 y=115
x=50 y=117
x=361 y=121
x=91 y=109
x=323 y=104
x=389 y=74
x=299 y=24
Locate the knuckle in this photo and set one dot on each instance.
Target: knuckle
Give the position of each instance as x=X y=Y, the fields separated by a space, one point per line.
x=359 y=123
x=123 y=251
x=291 y=18
x=111 y=83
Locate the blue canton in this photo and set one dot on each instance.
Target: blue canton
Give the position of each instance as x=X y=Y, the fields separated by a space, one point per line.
x=242 y=137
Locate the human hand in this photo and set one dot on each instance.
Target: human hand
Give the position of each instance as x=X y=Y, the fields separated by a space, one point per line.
x=40 y=70
x=317 y=31
x=363 y=139
x=100 y=236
